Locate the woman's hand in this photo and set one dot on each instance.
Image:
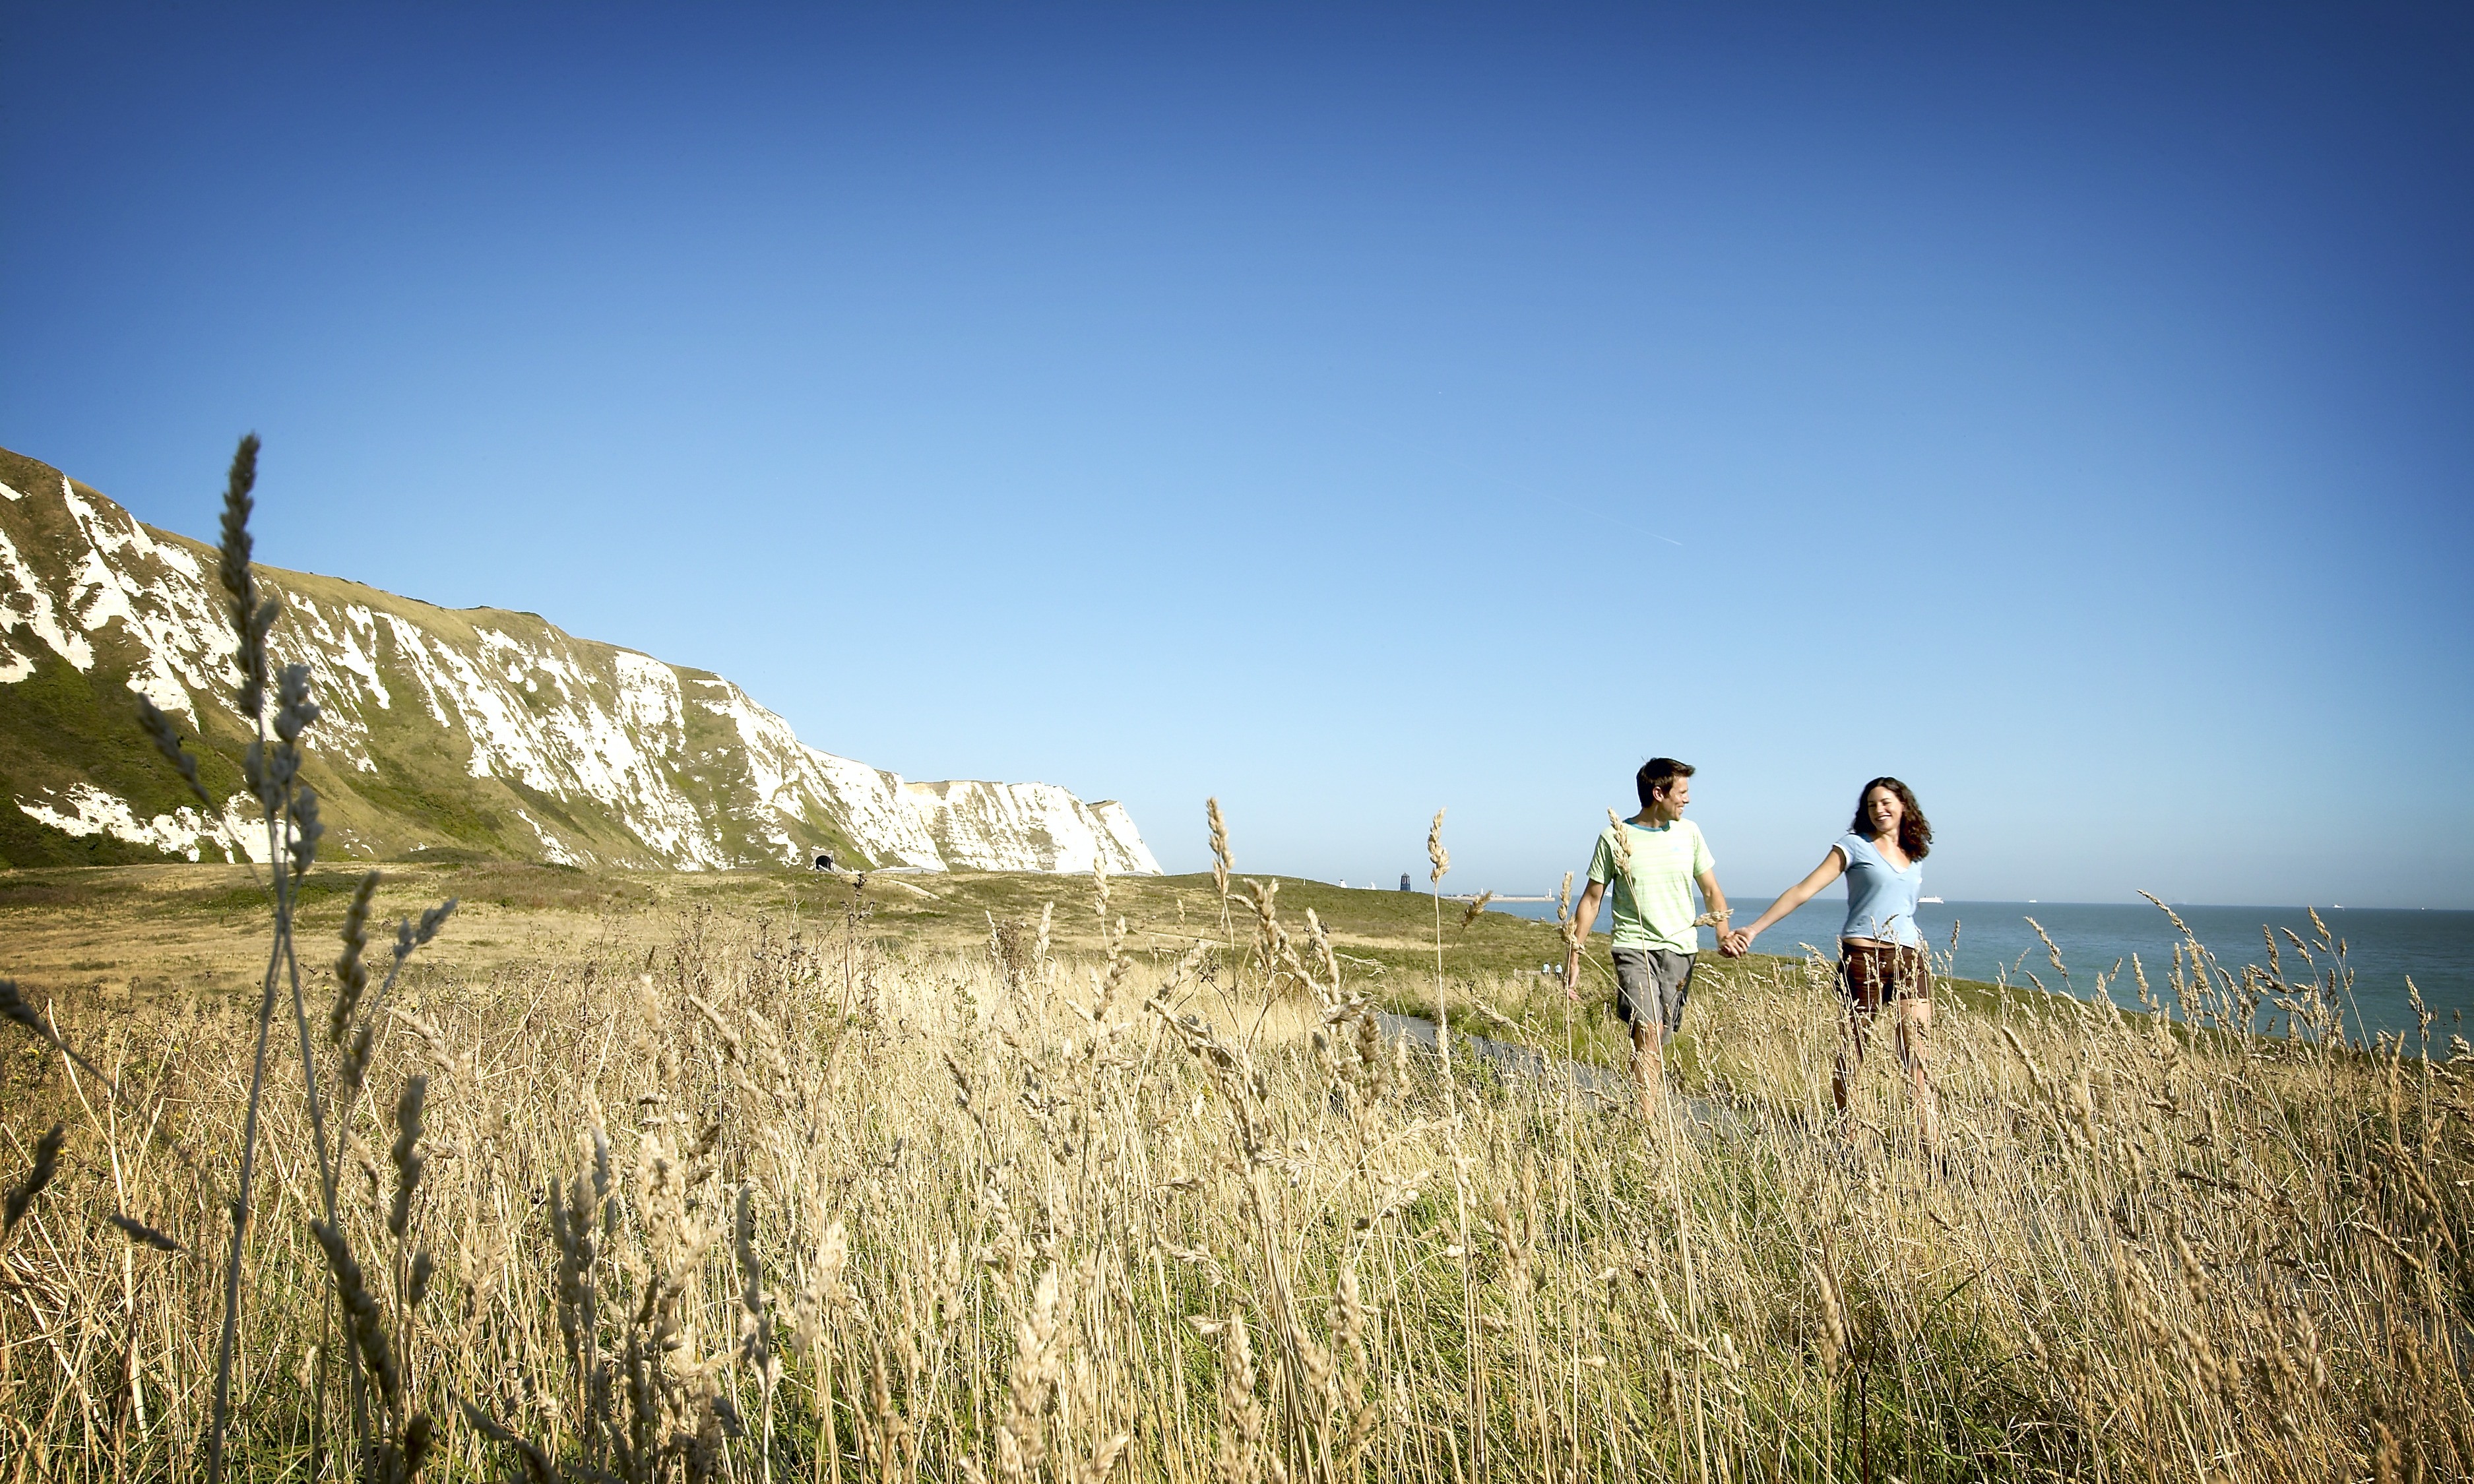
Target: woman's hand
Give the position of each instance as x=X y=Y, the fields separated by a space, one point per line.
x=1738 y=943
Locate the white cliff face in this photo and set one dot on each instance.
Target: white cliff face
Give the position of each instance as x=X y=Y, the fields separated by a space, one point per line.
x=1028 y=826
x=108 y=572
x=88 y=810
x=1116 y=827
x=474 y=728
x=789 y=778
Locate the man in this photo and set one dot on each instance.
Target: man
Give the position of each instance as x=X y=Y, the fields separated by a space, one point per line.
x=1652 y=860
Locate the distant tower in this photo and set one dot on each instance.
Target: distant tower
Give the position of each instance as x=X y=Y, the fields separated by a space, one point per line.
x=1404 y=882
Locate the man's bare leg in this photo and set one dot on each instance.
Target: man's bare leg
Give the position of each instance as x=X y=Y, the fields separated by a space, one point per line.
x=1648 y=1067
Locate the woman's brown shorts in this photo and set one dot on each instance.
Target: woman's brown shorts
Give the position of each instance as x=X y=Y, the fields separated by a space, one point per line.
x=1872 y=976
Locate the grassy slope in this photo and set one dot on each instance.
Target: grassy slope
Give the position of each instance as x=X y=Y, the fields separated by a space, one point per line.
x=61 y=727
x=58 y=726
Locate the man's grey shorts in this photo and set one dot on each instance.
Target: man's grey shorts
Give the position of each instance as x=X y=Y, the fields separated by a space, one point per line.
x=1651 y=985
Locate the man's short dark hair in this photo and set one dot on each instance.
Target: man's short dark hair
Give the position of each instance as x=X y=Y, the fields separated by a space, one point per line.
x=1657 y=776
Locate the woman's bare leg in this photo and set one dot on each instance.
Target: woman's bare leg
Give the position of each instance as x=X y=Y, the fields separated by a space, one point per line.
x=1915 y=1028
x=1851 y=1058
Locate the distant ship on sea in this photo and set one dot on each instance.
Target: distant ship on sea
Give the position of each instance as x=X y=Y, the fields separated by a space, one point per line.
x=1930 y=901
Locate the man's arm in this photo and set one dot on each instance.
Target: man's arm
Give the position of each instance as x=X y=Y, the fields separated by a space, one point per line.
x=1584 y=913
x=1715 y=900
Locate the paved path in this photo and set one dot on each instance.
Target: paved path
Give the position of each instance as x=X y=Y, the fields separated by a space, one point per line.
x=1608 y=1083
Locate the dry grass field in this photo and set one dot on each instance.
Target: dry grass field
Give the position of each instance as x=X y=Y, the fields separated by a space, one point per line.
x=142 y=931
x=758 y=1177
x=137 y=937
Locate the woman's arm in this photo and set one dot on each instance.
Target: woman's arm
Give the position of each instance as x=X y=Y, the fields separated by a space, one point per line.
x=1831 y=867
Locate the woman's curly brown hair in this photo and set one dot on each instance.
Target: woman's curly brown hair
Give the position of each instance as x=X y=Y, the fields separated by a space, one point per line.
x=1915 y=831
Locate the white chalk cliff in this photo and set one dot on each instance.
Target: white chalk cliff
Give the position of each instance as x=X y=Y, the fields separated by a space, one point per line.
x=472 y=728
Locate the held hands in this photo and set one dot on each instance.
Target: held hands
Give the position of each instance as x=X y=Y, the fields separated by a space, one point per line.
x=1729 y=943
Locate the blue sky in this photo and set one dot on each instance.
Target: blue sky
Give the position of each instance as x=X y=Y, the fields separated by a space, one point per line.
x=1350 y=412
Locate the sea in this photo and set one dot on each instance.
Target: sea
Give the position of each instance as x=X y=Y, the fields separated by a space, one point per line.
x=2385 y=947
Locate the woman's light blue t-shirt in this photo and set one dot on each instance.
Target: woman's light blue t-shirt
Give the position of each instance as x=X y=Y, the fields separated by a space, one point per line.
x=1881 y=898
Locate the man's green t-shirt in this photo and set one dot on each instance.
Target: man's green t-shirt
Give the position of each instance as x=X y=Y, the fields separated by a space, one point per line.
x=1654 y=897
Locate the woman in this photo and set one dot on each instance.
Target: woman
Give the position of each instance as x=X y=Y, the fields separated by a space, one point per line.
x=1882 y=957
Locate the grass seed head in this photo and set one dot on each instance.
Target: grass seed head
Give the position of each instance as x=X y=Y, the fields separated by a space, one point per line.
x=14 y=1007
x=140 y=1233
x=47 y=1163
x=306 y=828
x=1221 y=862
x=1022 y=1443
x=360 y=1310
x=294 y=710
x=2051 y=951
x=167 y=741
x=755 y=1331
x=1239 y=1459
x=407 y=1158
x=250 y=618
x=351 y=967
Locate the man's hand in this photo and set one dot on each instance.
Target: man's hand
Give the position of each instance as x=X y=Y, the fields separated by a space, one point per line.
x=1738 y=944
x=1572 y=975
